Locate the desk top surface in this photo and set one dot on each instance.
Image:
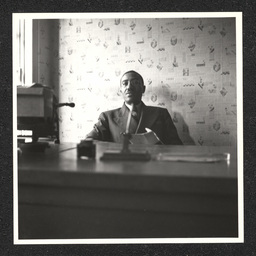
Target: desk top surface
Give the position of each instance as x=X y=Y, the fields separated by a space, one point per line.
x=64 y=158
x=60 y=166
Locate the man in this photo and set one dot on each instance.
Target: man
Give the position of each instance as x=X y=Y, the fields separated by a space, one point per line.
x=112 y=124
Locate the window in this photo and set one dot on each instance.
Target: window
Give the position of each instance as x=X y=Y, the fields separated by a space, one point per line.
x=22 y=50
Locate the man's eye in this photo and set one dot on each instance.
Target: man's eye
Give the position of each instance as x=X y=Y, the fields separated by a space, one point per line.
x=135 y=82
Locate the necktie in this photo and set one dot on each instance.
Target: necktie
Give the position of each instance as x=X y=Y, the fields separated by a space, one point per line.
x=135 y=114
x=134 y=120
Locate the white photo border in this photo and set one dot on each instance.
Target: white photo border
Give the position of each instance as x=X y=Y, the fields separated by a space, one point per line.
x=240 y=171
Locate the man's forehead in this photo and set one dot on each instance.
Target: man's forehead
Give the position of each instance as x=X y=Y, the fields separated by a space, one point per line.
x=130 y=75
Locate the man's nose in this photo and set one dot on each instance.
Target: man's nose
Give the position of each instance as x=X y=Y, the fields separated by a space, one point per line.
x=129 y=85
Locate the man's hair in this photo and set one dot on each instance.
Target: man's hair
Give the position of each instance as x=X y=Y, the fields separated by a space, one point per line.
x=137 y=74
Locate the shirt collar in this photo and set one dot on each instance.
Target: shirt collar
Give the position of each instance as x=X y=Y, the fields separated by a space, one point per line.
x=138 y=106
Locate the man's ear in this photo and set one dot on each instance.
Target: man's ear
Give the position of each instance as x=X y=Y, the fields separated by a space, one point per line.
x=144 y=89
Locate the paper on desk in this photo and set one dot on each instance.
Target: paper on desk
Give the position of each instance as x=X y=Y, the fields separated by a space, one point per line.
x=149 y=138
x=193 y=157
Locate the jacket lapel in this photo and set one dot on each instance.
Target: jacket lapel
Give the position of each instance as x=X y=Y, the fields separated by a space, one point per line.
x=149 y=117
x=121 y=118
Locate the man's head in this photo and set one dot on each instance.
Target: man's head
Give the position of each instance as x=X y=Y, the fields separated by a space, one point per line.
x=132 y=87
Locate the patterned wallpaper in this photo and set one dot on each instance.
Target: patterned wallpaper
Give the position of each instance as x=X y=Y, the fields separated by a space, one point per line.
x=188 y=65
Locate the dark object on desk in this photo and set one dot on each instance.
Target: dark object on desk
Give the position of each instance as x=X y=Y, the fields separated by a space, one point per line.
x=119 y=156
x=38 y=147
x=86 y=148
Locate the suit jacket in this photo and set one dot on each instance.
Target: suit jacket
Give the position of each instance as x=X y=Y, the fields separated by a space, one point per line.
x=112 y=124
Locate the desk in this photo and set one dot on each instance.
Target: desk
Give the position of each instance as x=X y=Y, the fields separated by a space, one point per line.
x=61 y=196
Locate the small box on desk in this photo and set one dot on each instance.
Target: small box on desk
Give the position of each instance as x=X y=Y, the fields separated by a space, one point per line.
x=34 y=102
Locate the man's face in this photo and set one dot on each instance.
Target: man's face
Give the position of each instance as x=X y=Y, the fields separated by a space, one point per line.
x=132 y=88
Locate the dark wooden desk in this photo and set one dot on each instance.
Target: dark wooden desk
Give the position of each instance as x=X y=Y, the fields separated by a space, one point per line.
x=61 y=196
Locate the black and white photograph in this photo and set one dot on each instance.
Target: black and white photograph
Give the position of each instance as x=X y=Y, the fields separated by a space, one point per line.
x=128 y=128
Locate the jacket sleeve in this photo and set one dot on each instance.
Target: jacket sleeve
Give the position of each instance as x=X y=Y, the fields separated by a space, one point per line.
x=170 y=132
x=100 y=130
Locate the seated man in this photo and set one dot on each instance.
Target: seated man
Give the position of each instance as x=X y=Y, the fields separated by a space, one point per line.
x=112 y=124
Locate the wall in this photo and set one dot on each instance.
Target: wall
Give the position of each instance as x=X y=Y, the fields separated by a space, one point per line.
x=188 y=67
x=47 y=48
